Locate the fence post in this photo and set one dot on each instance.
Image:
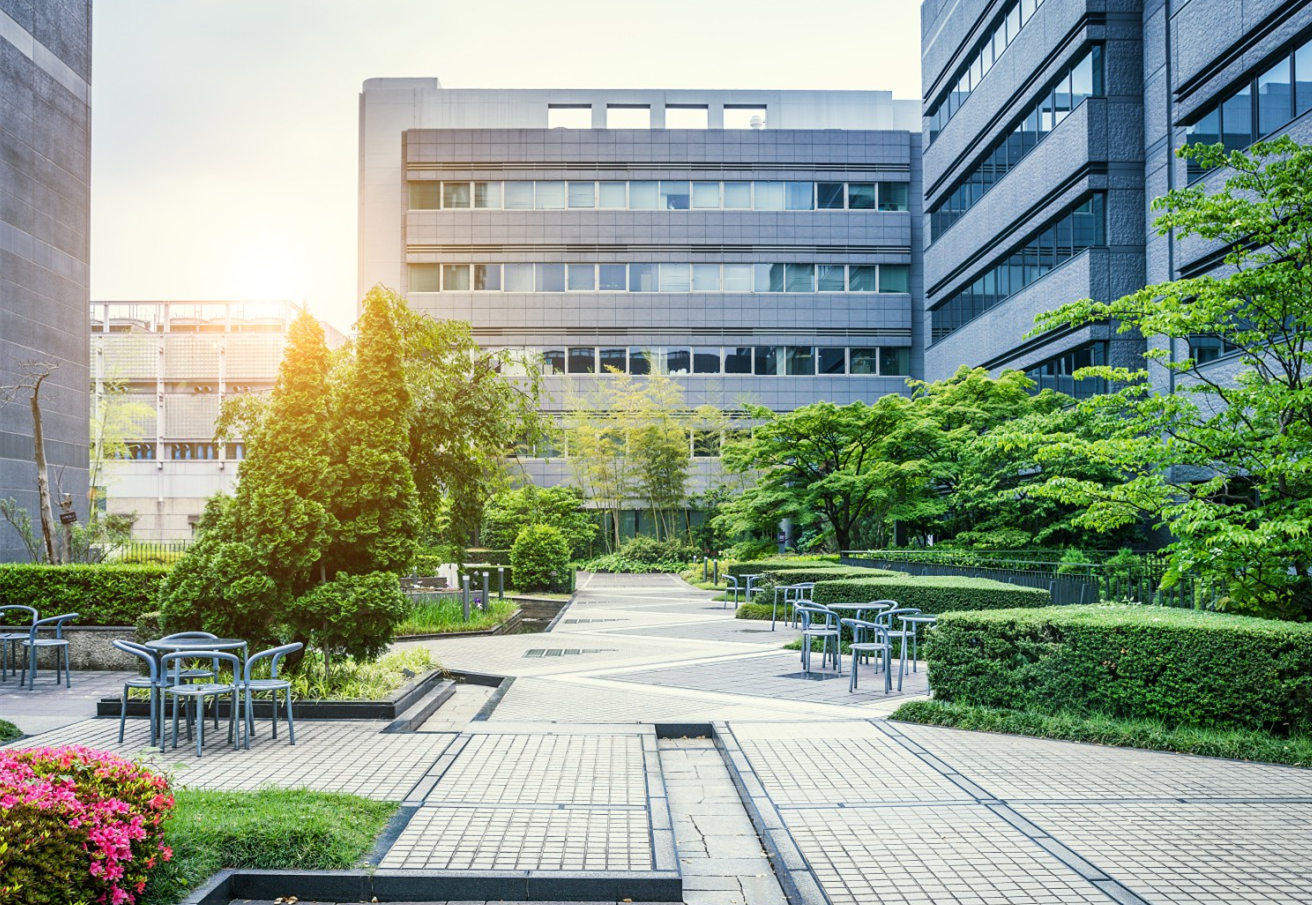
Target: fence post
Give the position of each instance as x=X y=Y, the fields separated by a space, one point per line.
x=487 y=586
x=501 y=582
x=464 y=595
x=715 y=579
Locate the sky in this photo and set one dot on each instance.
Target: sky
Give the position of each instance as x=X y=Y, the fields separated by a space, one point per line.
x=224 y=131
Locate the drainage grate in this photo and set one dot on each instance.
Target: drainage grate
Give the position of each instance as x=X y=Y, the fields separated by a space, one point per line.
x=581 y=621
x=565 y=651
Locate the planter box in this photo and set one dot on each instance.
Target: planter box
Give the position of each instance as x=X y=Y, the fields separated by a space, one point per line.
x=511 y=625
x=92 y=647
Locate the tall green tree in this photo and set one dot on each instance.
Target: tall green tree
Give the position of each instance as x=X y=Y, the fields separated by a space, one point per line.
x=373 y=493
x=1223 y=460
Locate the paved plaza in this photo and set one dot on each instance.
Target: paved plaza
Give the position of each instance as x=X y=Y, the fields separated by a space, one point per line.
x=797 y=792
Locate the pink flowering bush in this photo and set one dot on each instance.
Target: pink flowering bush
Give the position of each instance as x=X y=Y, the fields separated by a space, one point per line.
x=78 y=826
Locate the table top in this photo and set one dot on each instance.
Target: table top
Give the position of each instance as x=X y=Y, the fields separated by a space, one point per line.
x=186 y=644
x=925 y=617
x=857 y=606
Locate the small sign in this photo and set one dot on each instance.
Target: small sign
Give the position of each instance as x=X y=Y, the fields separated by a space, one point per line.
x=67 y=518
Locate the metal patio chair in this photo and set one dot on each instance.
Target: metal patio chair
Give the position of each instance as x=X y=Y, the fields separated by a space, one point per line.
x=34 y=642
x=195 y=693
x=870 y=638
x=271 y=686
x=898 y=635
x=818 y=621
x=9 y=639
x=151 y=681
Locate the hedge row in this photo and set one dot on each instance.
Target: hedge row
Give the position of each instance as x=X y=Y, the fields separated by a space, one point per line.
x=1182 y=667
x=818 y=572
x=103 y=594
x=818 y=561
x=933 y=593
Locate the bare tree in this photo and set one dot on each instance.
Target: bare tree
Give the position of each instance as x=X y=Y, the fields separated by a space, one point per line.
x=32 y=374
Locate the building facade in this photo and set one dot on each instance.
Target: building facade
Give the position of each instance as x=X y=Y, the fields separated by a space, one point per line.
x=168 y=366
x=45 y=155
x=755 y=245
x=1050 y=126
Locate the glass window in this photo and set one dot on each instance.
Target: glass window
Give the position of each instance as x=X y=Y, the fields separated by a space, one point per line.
x=582 y=194
x=706 y=360
x=737 y=277
x=1082 y=80
x=487 y=277
x=865 y=361
x=582 y=277
x=894 y=361
x=705 y=443
x=706 y=195
x=582 y=360
x=893 y=278
x=424 y=196
x=549 y=277
x=861 y=196
x=519 y=196
x=892 y=196
x=1061 y=95
x=769 y=277
x=706 y=277
x=686 y=117
x=549 y=196
x=487 y=195
x=737 y=196
x=829 y=196
x=675 y=278
x=767 y=360
x=738 y=360
x=862 y=278
x=612 y=196
x=831 y=278
x=832 y=360
x=611 y=277
x=799 y=278
x=1207 y=131
x=800 y=361
x=642 y=278
x=628 y=116
x=1275 y=100
x=423 y=277
x=553 y=361
x=1303 y=75
x=740 y=116
x=799 y=196
x=677 y=361
x=611 y=361
x=569 y=116
x=1237 y=120
x=642 y=196
x=517 y=277
x=768 y=196
x=674 y=196
x=639 y=361
x=455 y=195
x=455 y=277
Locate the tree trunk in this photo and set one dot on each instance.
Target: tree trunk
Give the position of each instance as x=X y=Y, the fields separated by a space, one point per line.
x=43 y=477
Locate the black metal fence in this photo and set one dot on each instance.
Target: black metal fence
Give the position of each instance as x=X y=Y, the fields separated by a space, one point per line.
x=1068 y=583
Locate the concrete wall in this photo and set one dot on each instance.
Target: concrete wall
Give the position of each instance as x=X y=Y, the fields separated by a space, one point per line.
x=45 y=123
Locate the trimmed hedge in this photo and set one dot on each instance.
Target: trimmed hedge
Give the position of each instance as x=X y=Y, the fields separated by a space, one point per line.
x=823 y=572
x=1181 y=667
x=933 y=593
x=816 y=561
x=102 y=594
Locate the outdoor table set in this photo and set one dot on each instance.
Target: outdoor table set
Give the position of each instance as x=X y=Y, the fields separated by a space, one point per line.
x=23 y=643
x=739 y=583
x=189 y=668
x=888 y=625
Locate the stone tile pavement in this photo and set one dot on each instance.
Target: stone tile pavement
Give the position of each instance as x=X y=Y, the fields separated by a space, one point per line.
x=49 y=706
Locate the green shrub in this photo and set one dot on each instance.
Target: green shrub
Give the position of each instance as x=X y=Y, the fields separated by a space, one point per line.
x=102 y=594
x=494 y=556
x=539 y=558
x=1181 y=667
x=647 y=554
x=818 y=560
x=933 y=593
x=823 y=572
x=511 y=511
x=8 y=732
x=353 y=615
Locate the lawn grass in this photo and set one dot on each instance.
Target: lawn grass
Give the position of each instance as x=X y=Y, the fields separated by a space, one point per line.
x=8 y=732
x=268 y=830
x=1237 y=744
x=446 y=614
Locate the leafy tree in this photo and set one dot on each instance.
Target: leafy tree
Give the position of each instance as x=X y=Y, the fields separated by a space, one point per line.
x=1222 y=461
x=509 y=512
x=373 y=488
x=539 y=558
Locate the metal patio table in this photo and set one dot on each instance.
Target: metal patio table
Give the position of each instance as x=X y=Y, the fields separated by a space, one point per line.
x=160 y=647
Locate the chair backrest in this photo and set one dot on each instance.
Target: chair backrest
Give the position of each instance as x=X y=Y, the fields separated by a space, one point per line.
x=18 y=607
x=887 y=616
x=214 y=656
x=813 y=611
x=143 y=653
x=865 y=625
x=56 y=621
x=190 y=636
x=273 y=655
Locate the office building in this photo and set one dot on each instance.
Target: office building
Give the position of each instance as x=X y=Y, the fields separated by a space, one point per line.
x=1050 y=126
x=754 y=244
x=45 y=155
x=170 y=365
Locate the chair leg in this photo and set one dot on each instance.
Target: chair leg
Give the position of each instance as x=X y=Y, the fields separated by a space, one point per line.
x=123 y=714
x=198 y=715
x=68 y=669
x=250 y=719
x=273 y=699
x=175 y=721
x=291 y=722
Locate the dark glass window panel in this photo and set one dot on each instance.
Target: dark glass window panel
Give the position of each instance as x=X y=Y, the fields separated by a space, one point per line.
x=893 y=196
x=677 y=361
x=861 y=196
x=831 y=278
x=675 y=196
x=799 y=196
x=582 y=360
x=642 y=278
x=829 y=196
x=893 y=278
x=766 y=360
x=1275 y=97
x=865 y=361
x=894 y=361
x=639 y=361
x=1237 y=120
x=553 y=361
x=799 y=277
x=487 y=277
x=455 y=195
x=832 y=361
x=611 y=277
x=424 y=196
x=800 y=361
x=769 y=277
x=706 y=360
x=705 y=443
x=1303 y=79
x=862 y=278
x=611 y=361
x=738 y=360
